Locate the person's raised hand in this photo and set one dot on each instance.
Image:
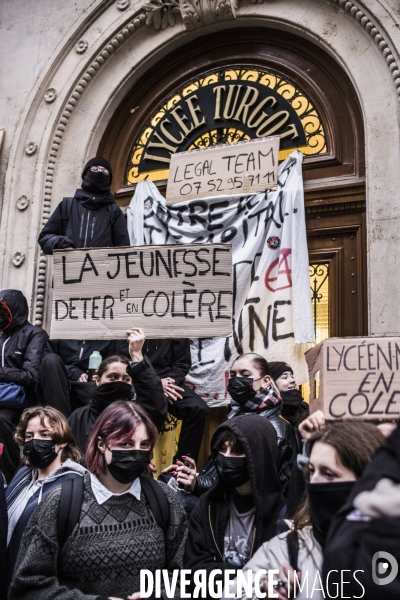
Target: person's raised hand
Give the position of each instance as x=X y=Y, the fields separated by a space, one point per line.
x=171 y=390
x=135 y=596
x=83 y=378
x=136 y=340
x=313 y=423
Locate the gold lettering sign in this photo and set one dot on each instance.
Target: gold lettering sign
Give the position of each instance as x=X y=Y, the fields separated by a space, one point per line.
x=225 y=106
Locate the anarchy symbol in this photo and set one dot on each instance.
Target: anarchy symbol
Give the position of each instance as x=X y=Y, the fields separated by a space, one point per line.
x=279 y=267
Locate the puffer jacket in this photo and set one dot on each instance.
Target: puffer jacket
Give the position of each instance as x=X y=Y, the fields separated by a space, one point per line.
x=91 y=224
x=21 y=345
x=287 y=452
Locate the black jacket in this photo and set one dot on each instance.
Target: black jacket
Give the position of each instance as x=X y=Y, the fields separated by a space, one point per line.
x=75 y=354
x=89 y=226
x=207 y=525
x=3 y=541
x=354 y=539
x=170 y=358
x=21 y=346
x=149 y=394
x=287 y=451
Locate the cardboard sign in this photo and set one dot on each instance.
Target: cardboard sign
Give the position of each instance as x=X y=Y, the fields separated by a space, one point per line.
x=171 y=291
x=224 y=170
x=356 y=378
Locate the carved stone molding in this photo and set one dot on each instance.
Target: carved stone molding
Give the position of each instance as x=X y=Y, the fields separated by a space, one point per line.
x=50 y=95
x=376 y=34
x=18 y=259
x=123 y=4
x=81 y=46
x=22 y=203
x=197 y=13
x=31 y=148
x=161 y=14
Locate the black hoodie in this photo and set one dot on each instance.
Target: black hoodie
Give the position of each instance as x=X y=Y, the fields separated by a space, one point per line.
x=205 y=545
x=21 y=345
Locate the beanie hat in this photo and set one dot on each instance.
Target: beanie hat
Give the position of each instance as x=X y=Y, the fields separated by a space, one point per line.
x=277 y=368
x=98 y=162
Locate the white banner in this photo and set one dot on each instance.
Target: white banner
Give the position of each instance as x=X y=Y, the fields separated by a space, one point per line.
x=271 y=290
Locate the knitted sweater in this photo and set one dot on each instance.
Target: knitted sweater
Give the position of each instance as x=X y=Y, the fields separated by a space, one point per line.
x=104 y=553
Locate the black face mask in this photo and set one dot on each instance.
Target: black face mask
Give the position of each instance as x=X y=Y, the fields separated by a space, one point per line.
x=128 y=465
x=96 y=183
x=325 y=499
x=107 y=393
x=40 y=453
x=241 y=389
x=233 y=470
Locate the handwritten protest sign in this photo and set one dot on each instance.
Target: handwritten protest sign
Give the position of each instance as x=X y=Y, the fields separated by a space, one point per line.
x=356 y=378
x=170 y=291
x=224 y=170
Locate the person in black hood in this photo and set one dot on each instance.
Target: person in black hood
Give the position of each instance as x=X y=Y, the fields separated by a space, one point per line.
x=21 y=350
x=252 y=392
x=115 y=376
x=241 y=510
x=294 y=409
x=90 y=219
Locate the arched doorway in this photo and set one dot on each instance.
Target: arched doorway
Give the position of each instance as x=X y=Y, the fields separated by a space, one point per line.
x=332 y=140
x=333 y=168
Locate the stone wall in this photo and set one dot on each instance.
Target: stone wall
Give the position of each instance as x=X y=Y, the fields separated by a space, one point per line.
x=67 y=65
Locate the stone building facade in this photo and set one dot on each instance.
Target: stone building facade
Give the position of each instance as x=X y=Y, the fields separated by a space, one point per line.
x=84 y=78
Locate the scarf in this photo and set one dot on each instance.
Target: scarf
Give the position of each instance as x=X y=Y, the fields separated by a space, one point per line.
x=265 y=400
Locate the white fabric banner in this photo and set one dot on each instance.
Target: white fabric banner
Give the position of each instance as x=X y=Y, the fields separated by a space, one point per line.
x=271 y=285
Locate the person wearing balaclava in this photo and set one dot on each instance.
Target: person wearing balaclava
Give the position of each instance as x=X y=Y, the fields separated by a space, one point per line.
x=115 y=377
x=338 y=453
x=90 y=219
x=21 y=350
x=241 y=510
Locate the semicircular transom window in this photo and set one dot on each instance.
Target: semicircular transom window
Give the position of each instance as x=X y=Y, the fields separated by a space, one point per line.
x=222 y=107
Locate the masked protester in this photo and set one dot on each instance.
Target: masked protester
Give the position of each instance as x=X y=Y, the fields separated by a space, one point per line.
x=241 y=510
x=116 y=532
x=90 y=219
x=114 y=380
x=294 y=409
x=50 y=456
x=21 y=350
x=368 y=526
x=253 y=393
x=338 y=455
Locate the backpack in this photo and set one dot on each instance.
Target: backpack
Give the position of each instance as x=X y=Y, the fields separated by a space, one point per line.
x=66 y=208
x=72 y=498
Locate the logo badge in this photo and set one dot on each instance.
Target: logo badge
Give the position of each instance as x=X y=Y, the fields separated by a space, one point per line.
x=273 y=242
x=380 y=565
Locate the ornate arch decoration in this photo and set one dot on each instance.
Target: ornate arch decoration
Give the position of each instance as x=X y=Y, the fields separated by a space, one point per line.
x=225 y=106
x=156 y=15
x=309 y=81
